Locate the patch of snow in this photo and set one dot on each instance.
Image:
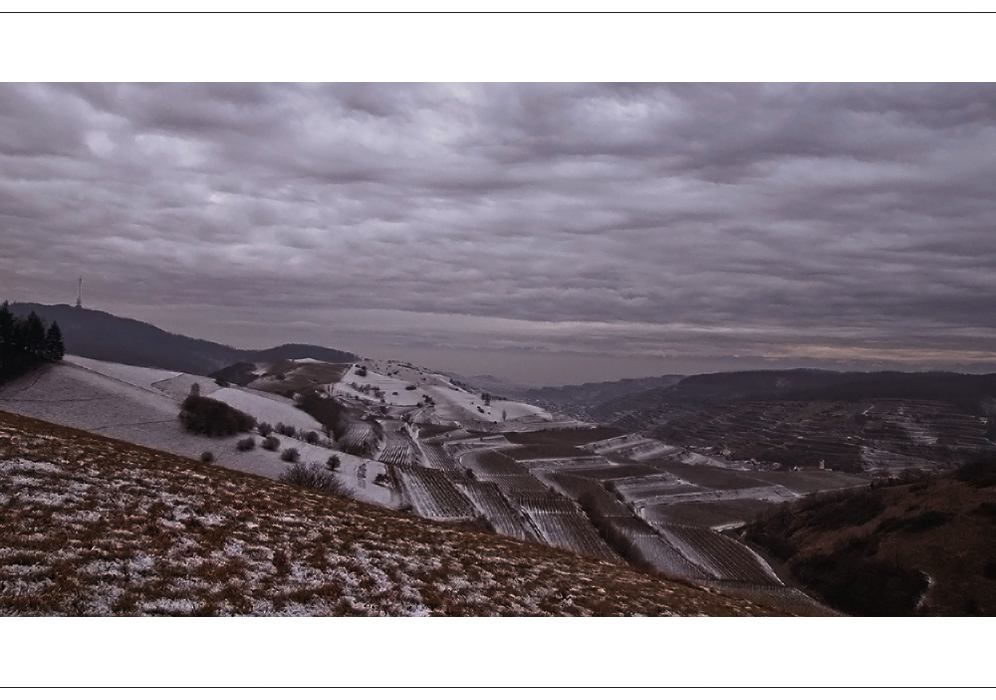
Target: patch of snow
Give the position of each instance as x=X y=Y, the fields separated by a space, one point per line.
x=168 y=605
x=267 y=408
x=143 y=377
x=25 y=465
x=395 y=390
x=100 y=567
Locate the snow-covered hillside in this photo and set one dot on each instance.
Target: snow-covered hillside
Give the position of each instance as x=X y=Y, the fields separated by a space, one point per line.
x=141 y=405
x=388 y=384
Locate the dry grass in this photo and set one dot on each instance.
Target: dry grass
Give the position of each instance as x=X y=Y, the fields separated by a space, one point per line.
x=95 y=526
x=936 y=530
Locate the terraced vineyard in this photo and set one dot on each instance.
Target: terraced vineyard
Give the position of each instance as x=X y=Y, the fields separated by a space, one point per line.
x=646 y=546
x=720 y=556
x=517 y=485
x=573 y=532
x=437 y=458
x=362 y=438
x=489 y=501
x=883 y=435
x=432 y=494
x=398 y=448
x=643 y=490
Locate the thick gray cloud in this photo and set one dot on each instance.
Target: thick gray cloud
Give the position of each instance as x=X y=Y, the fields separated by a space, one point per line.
x=571 y=227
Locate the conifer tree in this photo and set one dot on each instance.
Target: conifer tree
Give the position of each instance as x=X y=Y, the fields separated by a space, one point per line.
x=7 y=323
x=55 y=348
x=34 y=335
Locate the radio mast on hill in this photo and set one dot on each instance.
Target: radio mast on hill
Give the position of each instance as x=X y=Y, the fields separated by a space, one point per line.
x=79 y=297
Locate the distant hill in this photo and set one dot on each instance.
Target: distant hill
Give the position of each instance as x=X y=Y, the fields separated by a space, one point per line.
x=297 y=351
x=972 y=393
x=578 y=399
x=103 y=336
x=487 y=382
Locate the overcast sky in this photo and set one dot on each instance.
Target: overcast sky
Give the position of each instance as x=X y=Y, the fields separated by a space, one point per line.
x=548 y=233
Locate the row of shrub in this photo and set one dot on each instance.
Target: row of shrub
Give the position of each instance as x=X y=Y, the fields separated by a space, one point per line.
x=311 y=437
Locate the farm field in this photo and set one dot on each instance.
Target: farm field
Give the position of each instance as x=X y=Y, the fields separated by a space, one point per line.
x=297 y=375
x=806 y=482
x=641 y=490
x=714 y=514
x=144 y=377
x=878 y=436
x=394 y=390
x=708 y=476
x=571 y=437
x=267 y=407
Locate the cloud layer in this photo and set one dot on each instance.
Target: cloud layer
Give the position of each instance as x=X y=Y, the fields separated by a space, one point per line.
x=654 y=227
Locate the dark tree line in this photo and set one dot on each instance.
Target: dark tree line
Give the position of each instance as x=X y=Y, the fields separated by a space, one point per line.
x=25 y=343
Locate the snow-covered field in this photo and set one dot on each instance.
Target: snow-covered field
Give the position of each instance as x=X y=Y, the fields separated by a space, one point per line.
x=270 y=408
x=451 y=402
x=457 y=404
x=144 y=377
x=395 y=390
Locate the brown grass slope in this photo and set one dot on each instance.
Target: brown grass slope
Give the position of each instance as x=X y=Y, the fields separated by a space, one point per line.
x=927 y=547
x=96 y=526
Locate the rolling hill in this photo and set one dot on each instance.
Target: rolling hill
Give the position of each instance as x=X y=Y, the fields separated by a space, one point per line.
x=103 y=336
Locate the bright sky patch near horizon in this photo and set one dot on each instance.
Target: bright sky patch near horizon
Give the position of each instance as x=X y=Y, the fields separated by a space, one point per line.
x=545 y=232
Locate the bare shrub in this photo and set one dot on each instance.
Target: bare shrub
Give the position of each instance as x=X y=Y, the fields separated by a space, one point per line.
x=271 y=443
x=245 y=445
x=311 y=437
x=313 y=476
x=333 y=463
x=290 y=454
x=285 y=430
x=265 y=429
x=207 y=457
